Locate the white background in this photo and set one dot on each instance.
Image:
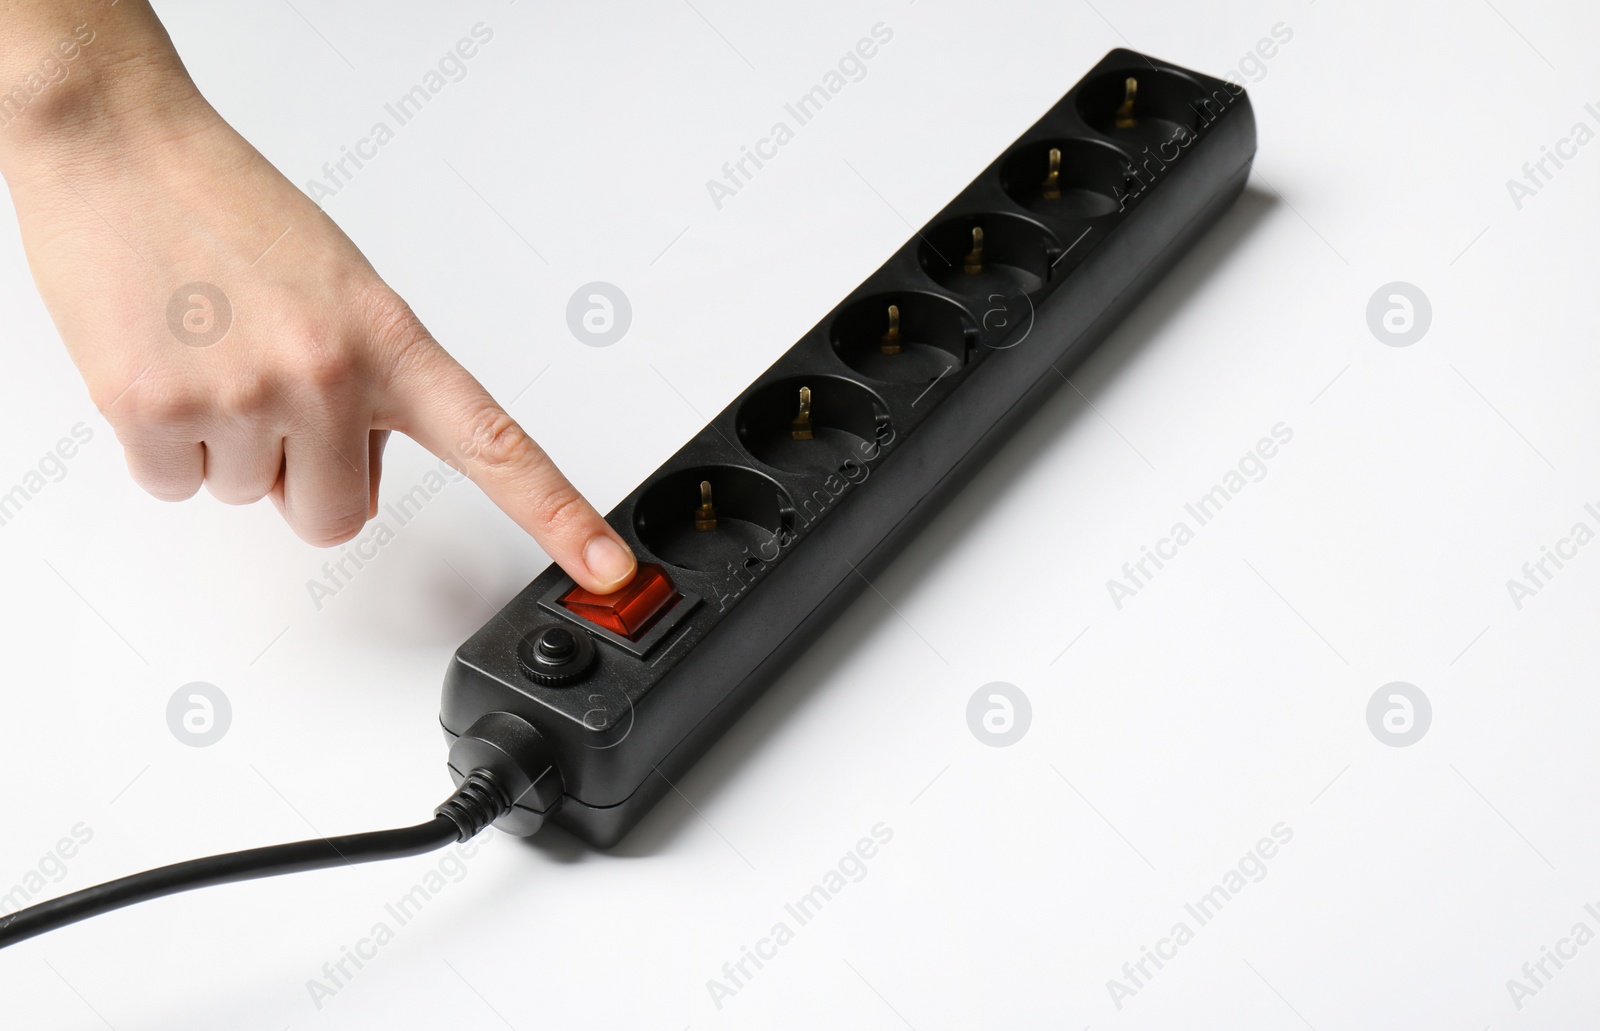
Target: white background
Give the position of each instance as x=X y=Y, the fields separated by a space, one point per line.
x=1229 y=696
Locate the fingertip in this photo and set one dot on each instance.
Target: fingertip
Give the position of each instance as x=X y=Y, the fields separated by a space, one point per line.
x=609 y=562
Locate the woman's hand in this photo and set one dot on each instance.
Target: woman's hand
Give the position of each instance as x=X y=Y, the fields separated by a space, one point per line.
x=234 y=337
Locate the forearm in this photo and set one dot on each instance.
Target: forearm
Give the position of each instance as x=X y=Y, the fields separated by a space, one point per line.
x=75 y=75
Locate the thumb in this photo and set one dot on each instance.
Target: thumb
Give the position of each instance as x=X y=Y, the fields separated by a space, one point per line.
x=440 y=405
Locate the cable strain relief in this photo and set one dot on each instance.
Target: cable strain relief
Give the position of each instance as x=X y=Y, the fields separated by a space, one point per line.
x=476 y=803
x=523 y=765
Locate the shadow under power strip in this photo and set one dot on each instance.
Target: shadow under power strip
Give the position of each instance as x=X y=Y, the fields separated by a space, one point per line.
x=764 y=526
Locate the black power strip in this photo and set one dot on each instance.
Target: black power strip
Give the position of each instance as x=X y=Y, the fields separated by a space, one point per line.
x=761 y=529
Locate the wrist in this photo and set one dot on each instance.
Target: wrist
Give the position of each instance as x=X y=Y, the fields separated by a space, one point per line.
x=86 y=115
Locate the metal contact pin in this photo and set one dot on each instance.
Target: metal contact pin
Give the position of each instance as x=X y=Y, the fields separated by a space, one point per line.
x=973 y=263
x=705 y=517
x=800 y=425
x=890 y=342
x=1051 y=188
x=1130 y=93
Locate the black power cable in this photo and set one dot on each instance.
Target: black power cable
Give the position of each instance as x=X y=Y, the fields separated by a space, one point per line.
x=513 y=762
x=317 y=854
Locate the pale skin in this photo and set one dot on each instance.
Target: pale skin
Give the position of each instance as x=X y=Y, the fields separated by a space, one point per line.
x=127 y=186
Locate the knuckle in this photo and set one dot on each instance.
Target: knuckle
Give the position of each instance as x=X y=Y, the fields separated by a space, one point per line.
x=403 y=350
x=316 y=358
x=156 y=406
x=560 y=506
x=327 y=369
x=394 y=327
x=499 y=442
x=247 y=398
x=400 y=342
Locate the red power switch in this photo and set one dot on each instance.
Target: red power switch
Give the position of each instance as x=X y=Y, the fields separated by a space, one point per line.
x=630 y=611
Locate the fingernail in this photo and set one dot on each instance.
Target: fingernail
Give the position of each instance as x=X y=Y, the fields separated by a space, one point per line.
x=609 y=560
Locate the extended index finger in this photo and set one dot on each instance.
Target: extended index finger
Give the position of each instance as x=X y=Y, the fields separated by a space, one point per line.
x=446 y=410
